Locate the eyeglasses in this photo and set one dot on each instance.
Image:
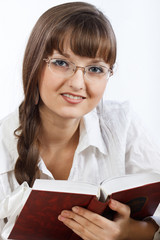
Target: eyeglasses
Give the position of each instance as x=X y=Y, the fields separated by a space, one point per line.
x=65 y=68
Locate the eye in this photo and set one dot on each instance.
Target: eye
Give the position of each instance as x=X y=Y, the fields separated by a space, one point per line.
x=95 y=69
x=60 y=63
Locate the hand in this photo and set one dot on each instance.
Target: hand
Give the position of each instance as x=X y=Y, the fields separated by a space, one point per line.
x=91 y=226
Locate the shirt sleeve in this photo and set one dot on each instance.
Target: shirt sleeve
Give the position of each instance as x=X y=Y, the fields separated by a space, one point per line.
x=157 y=220
x=142 y=153
x=7 y=184
x=157 y=234
x=2 y=195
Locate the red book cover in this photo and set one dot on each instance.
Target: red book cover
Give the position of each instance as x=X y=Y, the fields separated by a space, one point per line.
x=40 y=221
x=143 y=201
x=39 y=216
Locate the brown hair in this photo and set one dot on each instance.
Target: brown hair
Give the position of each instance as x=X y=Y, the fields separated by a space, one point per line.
x=90 y=34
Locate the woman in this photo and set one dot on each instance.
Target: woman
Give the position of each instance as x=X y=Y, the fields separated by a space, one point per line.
x=64 y=130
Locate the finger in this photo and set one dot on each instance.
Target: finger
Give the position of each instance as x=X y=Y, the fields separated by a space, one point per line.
x=120 y=208
x=78 y=224
x=94 y=218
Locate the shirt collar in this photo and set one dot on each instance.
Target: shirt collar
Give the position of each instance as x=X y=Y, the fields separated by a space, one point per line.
x=90 y=133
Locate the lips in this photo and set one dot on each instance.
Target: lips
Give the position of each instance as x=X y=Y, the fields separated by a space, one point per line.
x=72 y=98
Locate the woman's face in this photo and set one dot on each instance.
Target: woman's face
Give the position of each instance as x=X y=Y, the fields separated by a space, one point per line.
x=74 y=96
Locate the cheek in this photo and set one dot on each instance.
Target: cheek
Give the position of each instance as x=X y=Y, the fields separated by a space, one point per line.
x=96 y=90
x=48 y=83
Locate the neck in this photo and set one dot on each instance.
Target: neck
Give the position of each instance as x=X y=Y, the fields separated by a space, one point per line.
x=57 y=131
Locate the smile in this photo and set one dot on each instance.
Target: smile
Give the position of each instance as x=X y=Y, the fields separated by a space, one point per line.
x=72 y=97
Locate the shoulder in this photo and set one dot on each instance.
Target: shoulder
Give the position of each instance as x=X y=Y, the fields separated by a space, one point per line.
x=116 y=112
x=115 y=119
x=8 y=141
x=116 y=106
x=10 y=120
x=8 y=125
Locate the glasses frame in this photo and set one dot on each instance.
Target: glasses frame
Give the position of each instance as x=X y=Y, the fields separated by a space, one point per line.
x=76 y=67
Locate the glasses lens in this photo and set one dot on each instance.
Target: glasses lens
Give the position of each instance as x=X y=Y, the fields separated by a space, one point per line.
x=61 y=67
x=96 y=72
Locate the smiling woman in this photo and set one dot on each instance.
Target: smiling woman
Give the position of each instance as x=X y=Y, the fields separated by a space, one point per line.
x=60 y=27
x=69 y=90
x=64 y=130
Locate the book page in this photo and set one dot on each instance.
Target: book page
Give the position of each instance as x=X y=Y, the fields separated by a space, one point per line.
x=125 y=182
x=66 y=186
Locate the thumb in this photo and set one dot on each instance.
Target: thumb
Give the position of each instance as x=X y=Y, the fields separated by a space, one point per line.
x=122 y=209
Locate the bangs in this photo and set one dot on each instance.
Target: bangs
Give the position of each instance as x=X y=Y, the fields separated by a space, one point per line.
x=87 y=37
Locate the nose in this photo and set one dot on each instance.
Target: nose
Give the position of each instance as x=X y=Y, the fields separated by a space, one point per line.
x=77 y=81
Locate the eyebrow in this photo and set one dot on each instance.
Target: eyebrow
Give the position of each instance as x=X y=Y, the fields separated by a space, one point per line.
x=63 y=54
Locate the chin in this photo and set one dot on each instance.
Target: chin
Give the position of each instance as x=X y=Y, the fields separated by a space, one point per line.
x=72 y=113
x=71 y=116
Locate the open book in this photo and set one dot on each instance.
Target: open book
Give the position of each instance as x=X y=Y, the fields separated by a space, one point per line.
x=39 y=216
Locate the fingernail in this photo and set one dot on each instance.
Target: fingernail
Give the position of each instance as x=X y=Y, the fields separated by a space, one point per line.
x=75 y=209
x=64 y=213
x=60 y=218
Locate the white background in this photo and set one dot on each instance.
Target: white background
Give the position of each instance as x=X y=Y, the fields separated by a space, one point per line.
x=137 y=27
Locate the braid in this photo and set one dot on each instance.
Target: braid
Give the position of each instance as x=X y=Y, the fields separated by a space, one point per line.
x=50 y=33
x=27 y=146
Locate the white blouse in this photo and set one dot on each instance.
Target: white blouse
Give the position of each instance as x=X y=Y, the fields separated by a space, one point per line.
x=112 y=142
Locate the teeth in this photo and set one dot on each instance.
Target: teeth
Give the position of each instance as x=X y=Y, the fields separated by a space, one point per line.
x=71 y=96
